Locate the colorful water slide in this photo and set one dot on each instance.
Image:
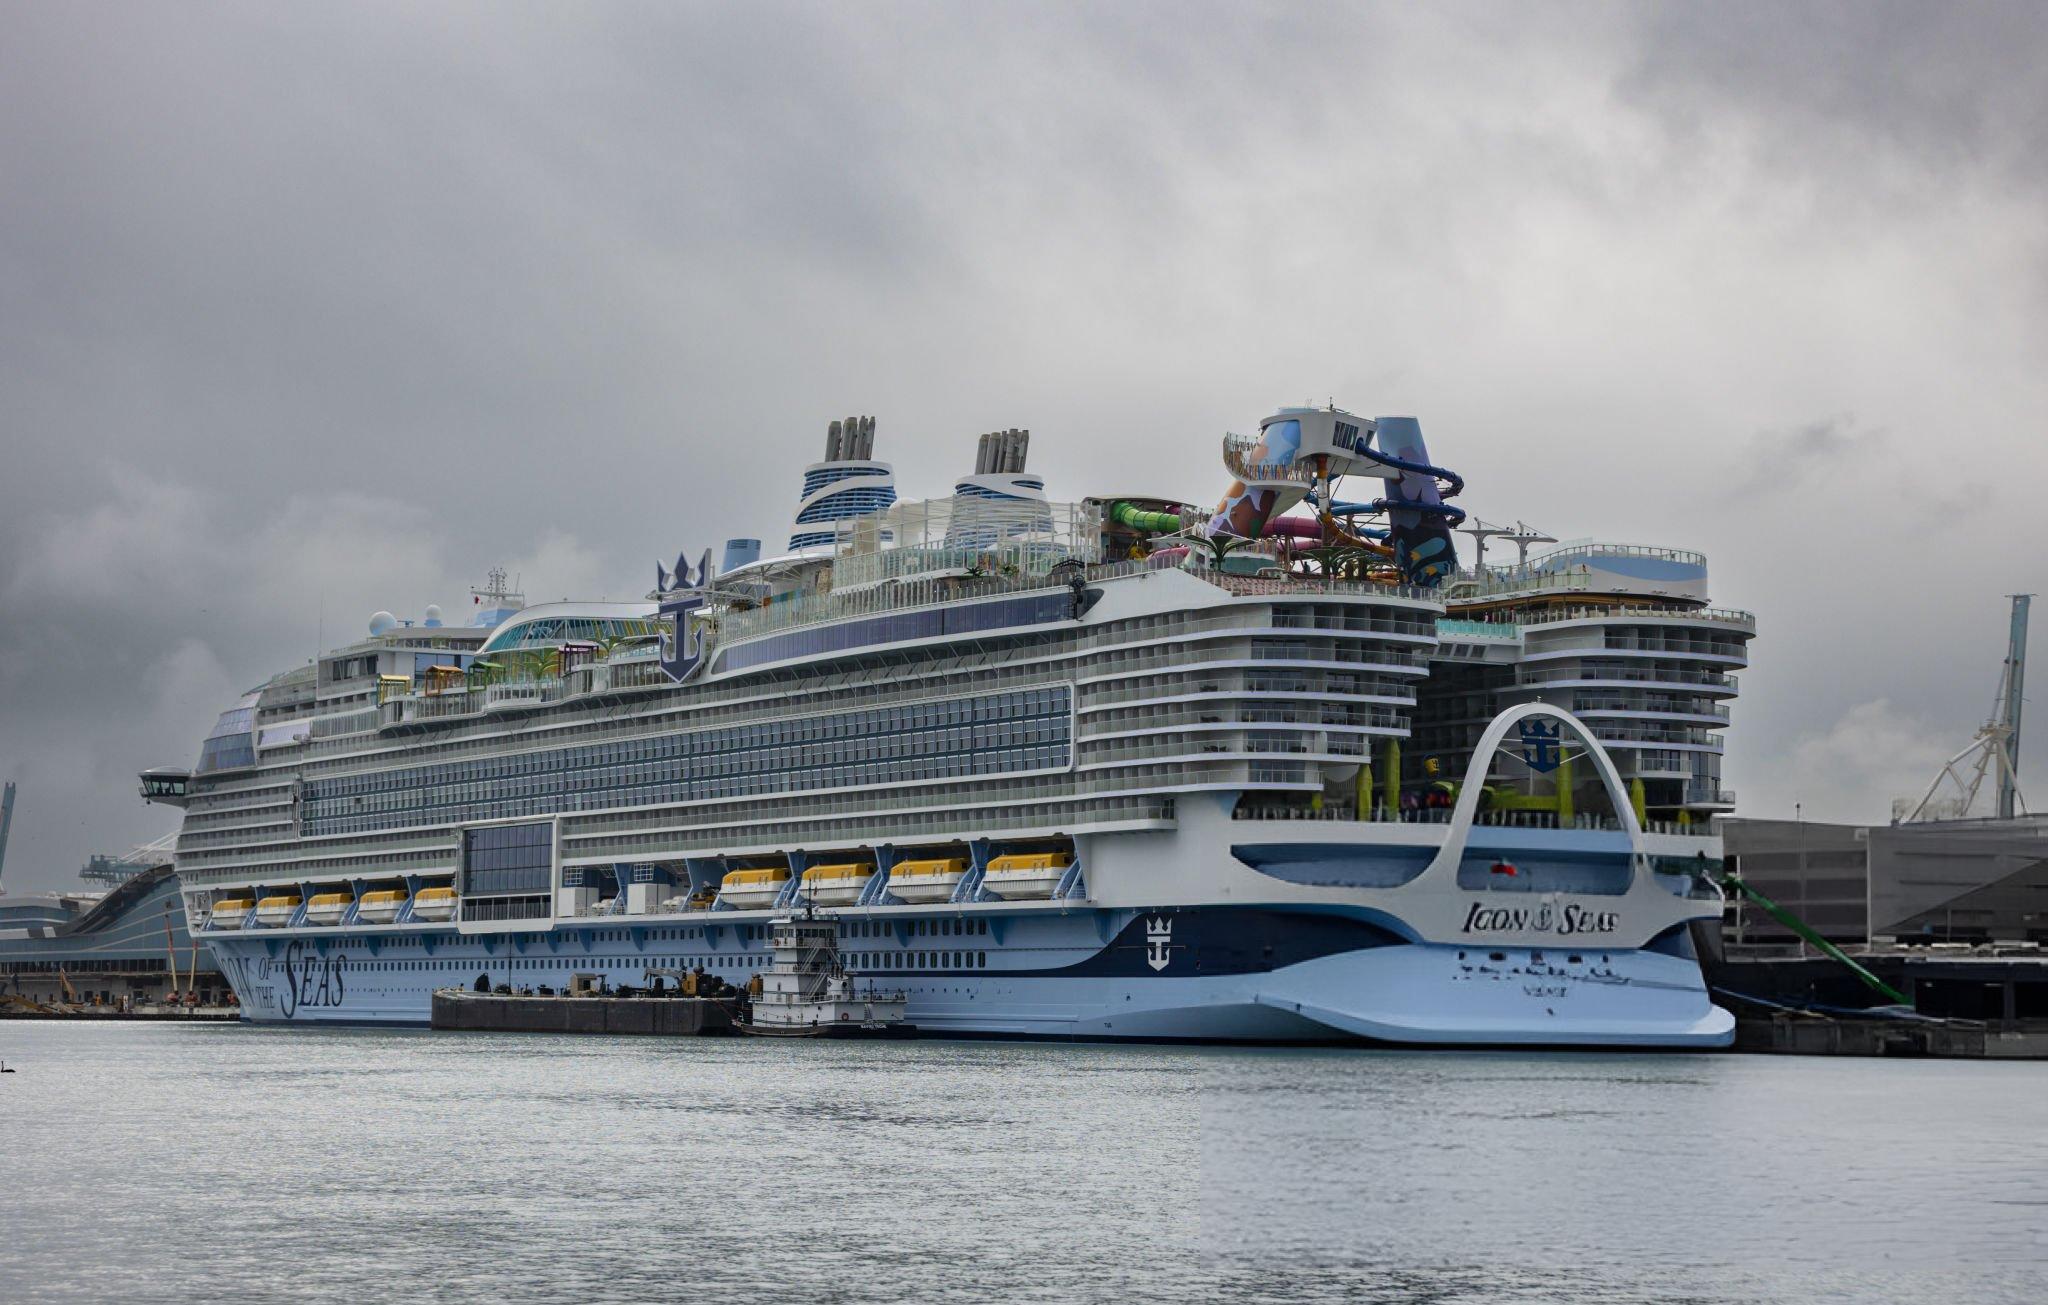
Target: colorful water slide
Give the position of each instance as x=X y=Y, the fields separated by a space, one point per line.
x=1137 y=518
x=1297 y=455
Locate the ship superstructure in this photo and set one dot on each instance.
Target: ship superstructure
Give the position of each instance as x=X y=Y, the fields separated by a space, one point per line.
x=1119 y=767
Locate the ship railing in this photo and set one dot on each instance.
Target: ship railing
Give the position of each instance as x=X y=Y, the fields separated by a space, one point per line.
x=1345 y=813
x=1290 y=586
x=1247 y=624
x=919 y=825
x=1598 y=675
x=1462 y=628
x=1641 y=611
x=1224 y=716
x=1470 y=588
x=1229 y=686
x=1589 y=548
x=1597 y=702
x=1240 y=457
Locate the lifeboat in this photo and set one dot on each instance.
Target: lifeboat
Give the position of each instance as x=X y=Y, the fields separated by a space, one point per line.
x=231 y=913
x=434 y=904
x=328 y=908
x=1033 y=874
x=926 y=881
x=747 y=890
x=836 y=885
x=380 y=907
x=278 y=910
x=701 y=900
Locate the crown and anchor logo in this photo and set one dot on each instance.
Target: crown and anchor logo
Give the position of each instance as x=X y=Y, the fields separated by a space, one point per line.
x=1158 y=938
x=1542 y=745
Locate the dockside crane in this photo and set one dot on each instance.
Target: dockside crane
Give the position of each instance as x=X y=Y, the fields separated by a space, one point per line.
x=6 y=822
x=1995 y=752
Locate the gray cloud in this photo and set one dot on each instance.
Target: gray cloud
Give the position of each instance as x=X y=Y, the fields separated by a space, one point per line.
x=309 y=312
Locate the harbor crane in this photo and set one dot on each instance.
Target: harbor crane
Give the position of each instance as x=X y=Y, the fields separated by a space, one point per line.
x=6 y=822
x=1994 y=752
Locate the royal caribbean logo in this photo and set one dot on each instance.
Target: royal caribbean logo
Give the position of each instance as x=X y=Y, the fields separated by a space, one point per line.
x=1542 y=747
x=682 y=594
x=1158 y=938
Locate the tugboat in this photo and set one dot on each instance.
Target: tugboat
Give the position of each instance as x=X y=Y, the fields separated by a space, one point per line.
x=805 y=993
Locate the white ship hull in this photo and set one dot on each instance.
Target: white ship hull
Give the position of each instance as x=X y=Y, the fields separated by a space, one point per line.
x=1425 y=962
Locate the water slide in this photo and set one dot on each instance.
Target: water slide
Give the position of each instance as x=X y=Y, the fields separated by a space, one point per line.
x=1274 y=472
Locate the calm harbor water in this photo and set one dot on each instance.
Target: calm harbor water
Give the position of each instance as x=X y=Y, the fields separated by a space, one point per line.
x=149 y=1163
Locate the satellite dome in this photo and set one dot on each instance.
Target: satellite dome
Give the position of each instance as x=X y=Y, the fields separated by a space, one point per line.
x=382 y=623
x=433 y=616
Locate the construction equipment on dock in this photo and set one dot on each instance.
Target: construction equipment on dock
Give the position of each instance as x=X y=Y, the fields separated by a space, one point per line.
x=1994 y=752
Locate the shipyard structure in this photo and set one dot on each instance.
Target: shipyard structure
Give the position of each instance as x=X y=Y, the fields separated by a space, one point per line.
x=119 y=942
x=1275 y=768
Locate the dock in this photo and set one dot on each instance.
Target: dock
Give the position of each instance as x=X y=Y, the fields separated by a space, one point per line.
x=109 y=1015
x=1787 y=1034
x=647 y=1015
x=1980 y=1005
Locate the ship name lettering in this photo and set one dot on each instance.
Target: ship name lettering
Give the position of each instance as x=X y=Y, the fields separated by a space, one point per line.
x=311 y=979
x=1572 y=918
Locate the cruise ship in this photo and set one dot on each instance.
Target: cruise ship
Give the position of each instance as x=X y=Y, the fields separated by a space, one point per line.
x=1280 y=768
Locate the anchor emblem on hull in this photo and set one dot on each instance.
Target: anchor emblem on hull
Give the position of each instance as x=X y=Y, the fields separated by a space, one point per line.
x=1158 y=936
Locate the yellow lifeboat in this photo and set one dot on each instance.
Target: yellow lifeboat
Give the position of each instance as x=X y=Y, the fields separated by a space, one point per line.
x=836 y=885
x=231 y=913
x=328 y=908
x=1028 y=875
x=380 y=907
x=701 y=900
x=926 y=881
x=278 y=910
x=748 y=890
x=434 y=904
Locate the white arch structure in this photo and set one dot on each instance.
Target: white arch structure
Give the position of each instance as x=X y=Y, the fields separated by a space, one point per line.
x=1445 y=864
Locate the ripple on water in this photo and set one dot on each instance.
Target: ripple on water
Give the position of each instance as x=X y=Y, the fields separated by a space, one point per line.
x=242 y=1163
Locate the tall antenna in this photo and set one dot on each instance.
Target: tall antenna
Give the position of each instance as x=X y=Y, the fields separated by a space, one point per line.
x=2013 y=691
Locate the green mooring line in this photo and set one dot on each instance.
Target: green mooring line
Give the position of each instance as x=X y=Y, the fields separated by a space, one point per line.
x=1799 y=926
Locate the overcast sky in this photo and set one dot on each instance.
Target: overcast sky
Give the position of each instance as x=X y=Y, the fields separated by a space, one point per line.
x=307 y=311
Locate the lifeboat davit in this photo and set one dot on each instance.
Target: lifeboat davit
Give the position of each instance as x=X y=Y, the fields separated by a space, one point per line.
x=380 y=907
x=926 y=881
x=836 y=885
x=232 y=913
x=748 y=890
x=328 y=908
x=1032 y=874
x=434 y=904
x=275 y=911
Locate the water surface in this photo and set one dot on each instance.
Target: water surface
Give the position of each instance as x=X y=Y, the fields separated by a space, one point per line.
x=247 y=1163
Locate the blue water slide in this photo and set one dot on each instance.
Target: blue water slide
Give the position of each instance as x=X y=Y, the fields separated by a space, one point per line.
x=1419 y=519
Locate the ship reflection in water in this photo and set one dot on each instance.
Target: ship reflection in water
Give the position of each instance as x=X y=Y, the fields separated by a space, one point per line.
x=359 y=1164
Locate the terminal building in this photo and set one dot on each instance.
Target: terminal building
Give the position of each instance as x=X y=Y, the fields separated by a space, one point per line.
x=90 y=947
x=1934 y=881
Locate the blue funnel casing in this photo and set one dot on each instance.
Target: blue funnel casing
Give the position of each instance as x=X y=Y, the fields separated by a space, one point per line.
x=739 y=553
